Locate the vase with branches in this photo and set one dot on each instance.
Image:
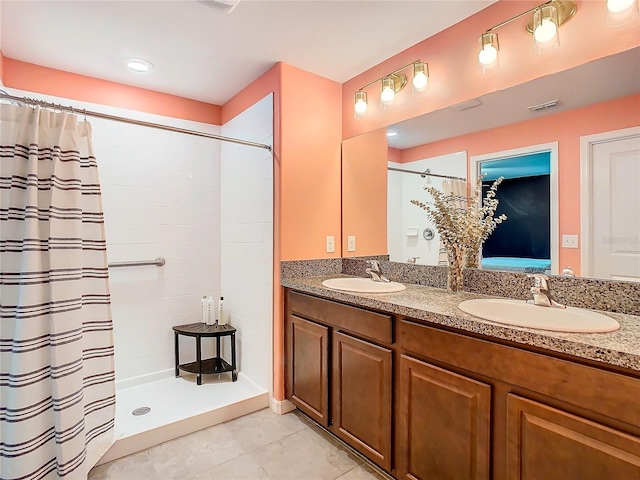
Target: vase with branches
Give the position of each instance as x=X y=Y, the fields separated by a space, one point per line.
x=464 y=224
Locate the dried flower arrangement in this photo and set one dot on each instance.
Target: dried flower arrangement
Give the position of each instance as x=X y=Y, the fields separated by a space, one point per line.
x=464 y=225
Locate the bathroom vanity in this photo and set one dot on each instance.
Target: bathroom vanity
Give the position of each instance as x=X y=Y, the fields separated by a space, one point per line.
x=427 y=391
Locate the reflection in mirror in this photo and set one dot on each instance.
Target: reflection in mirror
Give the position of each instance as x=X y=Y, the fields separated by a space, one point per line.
x=564 y=108
x=528 y=241
x=410 y=234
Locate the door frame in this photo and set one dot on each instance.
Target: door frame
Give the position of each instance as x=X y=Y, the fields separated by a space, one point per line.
x=587 y=143
x=554 y=228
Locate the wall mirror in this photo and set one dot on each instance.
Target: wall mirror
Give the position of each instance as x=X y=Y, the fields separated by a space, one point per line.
x=457 y=140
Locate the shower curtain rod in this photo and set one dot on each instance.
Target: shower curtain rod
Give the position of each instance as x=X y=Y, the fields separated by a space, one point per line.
x=426 y=173
x=54 y=106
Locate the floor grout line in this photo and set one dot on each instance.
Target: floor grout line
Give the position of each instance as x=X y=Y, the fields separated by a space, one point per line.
x=135 y=468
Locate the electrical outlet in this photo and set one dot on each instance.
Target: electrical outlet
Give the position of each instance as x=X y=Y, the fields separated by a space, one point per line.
x=569 y=241
x=351 y=243
x=331 y=244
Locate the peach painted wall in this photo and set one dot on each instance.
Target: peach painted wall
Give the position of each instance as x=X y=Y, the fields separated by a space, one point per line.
x=566 y=128
x=394 y=155
x=455 y=75
x=364 y=203
x=49 y=81
x=1 y=68
x=310 y=176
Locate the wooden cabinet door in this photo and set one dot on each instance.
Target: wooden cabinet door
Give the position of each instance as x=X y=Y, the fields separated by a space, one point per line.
x=308 y=368
x=545 y=443
x=362 y=396
x=444 y=424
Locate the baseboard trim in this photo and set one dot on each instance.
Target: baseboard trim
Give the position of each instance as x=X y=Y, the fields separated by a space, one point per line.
x=280 y=407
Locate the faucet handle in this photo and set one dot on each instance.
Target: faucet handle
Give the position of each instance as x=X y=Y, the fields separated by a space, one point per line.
x=374 y=263
x=540 y=291
x=376 y=272
x=540 y=280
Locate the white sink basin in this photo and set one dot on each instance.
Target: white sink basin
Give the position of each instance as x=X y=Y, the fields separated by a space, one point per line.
x=519 y=313
x=362 y=285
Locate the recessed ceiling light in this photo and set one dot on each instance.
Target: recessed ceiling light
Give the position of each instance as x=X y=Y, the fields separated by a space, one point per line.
x=138 y=64
x=391 y=134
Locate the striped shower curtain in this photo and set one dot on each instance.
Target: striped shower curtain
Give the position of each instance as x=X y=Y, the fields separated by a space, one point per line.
x=57 y=393
x=459 y=189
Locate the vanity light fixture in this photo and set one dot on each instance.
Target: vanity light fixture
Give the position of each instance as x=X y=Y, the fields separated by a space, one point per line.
x=390 y=85
x=620 y=12
x=360 y=104
x=389 y=90
x=619 y=6
x=545 y=25
x=138 y=64
x=489 y=47
x=420 y=76
x=547 y=18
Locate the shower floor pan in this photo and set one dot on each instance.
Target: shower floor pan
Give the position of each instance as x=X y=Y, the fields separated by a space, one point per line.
x=178 y=407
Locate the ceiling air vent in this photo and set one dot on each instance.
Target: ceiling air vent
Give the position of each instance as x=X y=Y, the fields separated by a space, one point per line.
x=543 y=106
x=467 y=105
x=224 y=5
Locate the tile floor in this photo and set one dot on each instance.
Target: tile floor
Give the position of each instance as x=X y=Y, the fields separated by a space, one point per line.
x=258 y=446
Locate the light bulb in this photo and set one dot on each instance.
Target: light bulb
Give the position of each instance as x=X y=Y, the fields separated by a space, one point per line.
x=489 y=47
x=618 y=6
x=360 y=104
x=360 y=107
x=387 y=94
x=546 y=31
x=545 y=27
x=420 y=80
x=488 y=55
x=420 y=76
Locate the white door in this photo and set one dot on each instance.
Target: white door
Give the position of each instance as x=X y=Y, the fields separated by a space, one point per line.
x=614 y=237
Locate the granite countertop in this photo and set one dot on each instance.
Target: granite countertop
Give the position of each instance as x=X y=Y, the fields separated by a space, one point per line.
x=620 y=348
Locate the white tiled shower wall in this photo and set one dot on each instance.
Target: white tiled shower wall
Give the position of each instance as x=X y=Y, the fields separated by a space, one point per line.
x=402 y=215
x=247 y=238
x=161 y=194
x=161 y=197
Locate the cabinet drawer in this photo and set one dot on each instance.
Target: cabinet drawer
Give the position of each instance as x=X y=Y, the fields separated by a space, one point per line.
x=375 y=326
x=606 y=393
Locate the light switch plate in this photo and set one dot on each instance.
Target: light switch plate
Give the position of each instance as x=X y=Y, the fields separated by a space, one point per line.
x=569 y=241
x=331 y=244
x=351 y=243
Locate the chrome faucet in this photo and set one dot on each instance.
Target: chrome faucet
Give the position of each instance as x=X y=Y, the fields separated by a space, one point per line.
x=376 y=272
x=540 y=292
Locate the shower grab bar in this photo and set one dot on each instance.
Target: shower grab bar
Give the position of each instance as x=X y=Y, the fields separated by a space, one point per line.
x=160 y=261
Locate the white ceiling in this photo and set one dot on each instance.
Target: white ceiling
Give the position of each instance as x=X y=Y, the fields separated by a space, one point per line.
x=202 y=52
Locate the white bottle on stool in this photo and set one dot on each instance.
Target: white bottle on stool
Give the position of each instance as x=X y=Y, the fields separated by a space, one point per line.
x=211 y=315
x=221 y=318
